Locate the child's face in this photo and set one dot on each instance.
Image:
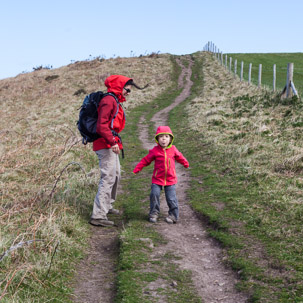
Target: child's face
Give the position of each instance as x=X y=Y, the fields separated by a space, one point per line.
x=164 y=140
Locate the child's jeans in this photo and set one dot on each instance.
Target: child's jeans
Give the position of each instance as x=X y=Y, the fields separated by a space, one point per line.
x=171 y=199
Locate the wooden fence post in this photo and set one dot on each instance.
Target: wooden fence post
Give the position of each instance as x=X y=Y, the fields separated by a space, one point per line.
x=260 y=75
x=241 y=74
x=230 y=61
x=289 y=79
x=274 y=78
x=235 y=69
x=249 y=73
x=289 y=89
x=226 y=61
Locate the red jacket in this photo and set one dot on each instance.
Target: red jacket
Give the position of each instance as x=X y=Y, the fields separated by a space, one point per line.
x=106 y=112
x=164 y=170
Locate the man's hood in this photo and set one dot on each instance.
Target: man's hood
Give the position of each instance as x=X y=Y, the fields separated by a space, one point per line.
x=115 y=84
x=164 y=130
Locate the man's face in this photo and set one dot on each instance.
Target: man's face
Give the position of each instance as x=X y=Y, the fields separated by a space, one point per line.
x=126 y=90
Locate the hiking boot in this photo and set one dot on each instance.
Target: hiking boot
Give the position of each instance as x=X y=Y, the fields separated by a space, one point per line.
x=101 y=222
x=153 y=218
x=114 y=211
x=171 y=219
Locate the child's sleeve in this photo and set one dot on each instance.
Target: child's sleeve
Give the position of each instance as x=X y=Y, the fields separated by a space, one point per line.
x=144 y=162
x=180 y=158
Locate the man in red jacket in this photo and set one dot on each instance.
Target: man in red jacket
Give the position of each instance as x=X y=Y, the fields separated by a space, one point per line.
x=111 y=121
x=164 y=154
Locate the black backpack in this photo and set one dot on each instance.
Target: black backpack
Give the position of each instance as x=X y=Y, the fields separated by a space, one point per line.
x=88 y=116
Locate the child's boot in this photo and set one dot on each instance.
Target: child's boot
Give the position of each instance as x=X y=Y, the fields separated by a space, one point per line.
x=153 y=218
x=171 y=219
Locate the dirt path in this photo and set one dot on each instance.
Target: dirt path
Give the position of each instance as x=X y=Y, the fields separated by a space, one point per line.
x=95 y=279
x=188 y=239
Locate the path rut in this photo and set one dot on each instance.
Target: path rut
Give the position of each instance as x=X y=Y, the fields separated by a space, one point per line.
x=96 y=273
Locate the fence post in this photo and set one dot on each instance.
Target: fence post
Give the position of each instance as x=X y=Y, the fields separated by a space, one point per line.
x=226 y=61
x=260 y=75
x=241 y=74
x=249 y=73
x=290 y=74
x=230 y=61
x=274 y=78
x=235 y=69
x=222 y=58
x=287 y=93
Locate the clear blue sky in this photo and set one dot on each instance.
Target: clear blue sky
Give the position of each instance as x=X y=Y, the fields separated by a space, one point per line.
x=56 y=32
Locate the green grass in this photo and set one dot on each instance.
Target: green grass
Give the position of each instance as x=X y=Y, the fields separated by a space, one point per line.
x=268 y=60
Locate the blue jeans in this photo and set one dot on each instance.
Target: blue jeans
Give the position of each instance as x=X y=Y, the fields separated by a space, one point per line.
x=171 y=199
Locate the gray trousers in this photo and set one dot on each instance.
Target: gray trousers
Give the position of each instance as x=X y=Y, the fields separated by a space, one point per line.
x=109 y=164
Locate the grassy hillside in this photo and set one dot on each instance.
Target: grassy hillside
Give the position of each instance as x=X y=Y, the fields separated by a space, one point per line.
x=245 y=151
x=268 y=60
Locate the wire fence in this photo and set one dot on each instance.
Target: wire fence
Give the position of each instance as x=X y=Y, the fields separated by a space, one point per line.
x=278 y=79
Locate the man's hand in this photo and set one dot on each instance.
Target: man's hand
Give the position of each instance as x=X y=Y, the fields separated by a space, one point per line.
x=115 y=149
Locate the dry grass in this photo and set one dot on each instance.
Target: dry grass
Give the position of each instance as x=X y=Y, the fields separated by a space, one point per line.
x=259 y=136
x=39 y=117
x=41 y=154
x=235 y=116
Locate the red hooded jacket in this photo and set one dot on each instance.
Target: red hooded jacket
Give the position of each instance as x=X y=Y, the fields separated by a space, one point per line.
x=164 y=170
x=106 y=112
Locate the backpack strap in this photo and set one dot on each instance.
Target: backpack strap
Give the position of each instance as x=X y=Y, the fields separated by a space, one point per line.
x=112 y=122
x=118 y=103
